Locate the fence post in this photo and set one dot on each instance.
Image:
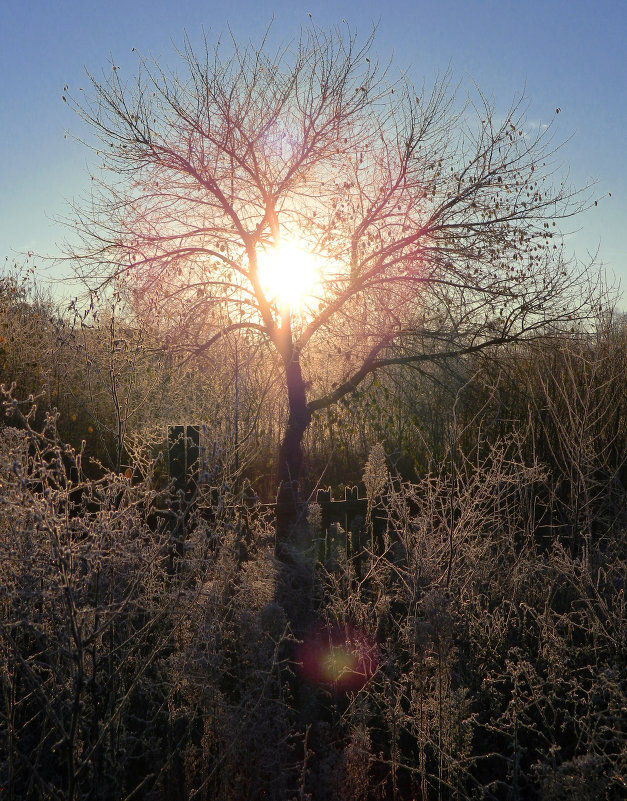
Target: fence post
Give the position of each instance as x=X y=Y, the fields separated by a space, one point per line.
x=176 y=456
x=184 y=457
x=192 y=458
x=323 y=499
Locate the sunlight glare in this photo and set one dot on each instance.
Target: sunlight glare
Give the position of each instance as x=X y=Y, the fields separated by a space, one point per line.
x=288 y=274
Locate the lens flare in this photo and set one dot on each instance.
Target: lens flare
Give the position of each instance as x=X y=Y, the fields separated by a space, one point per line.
x=340 y=657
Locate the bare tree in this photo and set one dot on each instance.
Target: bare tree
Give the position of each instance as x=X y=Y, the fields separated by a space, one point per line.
x=430 y=228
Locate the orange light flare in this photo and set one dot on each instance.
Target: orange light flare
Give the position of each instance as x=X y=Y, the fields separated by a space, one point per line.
x=340 y=657
x=291 y=275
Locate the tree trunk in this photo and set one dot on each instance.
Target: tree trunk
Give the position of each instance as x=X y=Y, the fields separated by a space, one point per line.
x=294 y=588
x=291 y=453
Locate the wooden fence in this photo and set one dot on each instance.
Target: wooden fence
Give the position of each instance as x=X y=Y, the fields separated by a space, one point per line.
x=189 y=465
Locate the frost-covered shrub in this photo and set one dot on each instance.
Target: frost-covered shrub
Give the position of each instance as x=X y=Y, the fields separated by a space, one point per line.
x=139 y=653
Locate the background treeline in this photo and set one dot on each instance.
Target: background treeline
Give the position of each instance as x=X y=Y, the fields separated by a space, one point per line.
x=114 y=386
x=147 y=654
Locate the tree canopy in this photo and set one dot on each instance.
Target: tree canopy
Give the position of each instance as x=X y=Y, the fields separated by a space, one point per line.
x=409 y=227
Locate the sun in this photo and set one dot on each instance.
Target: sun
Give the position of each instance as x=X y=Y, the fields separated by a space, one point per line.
x=288 y=274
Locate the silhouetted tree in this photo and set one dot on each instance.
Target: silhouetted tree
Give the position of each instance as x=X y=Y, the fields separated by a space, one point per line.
x=431 y=227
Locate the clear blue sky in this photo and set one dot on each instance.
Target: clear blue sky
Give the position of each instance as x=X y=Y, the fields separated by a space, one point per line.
x=569 y=54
